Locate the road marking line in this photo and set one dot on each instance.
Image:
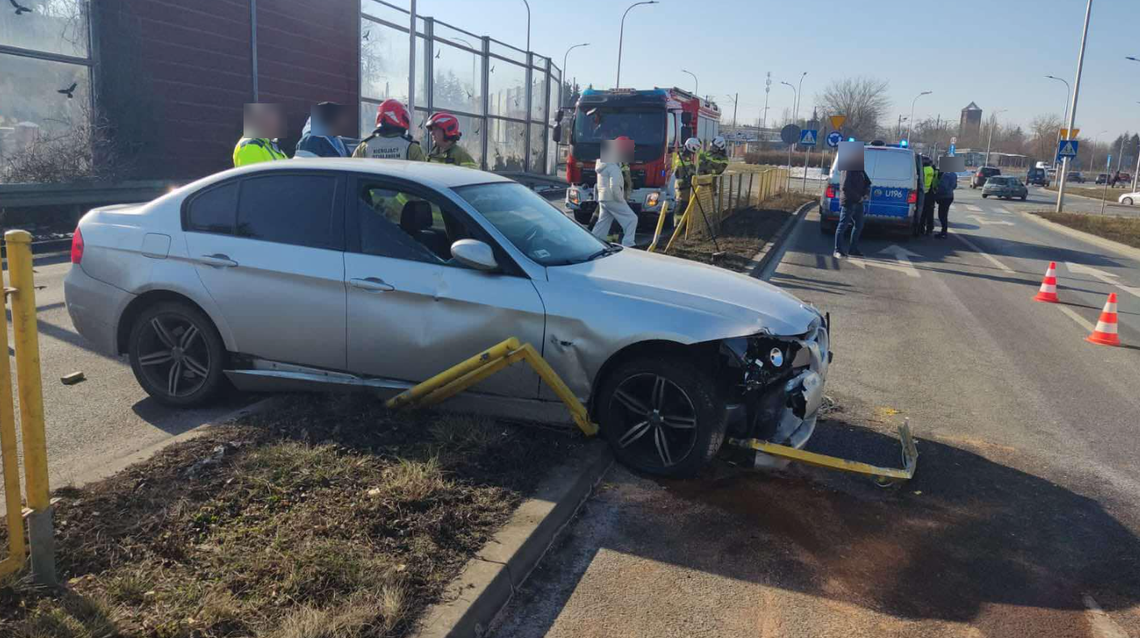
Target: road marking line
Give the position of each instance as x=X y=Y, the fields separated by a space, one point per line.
x=973 y=208
x=1081 y=321
x=1107 y=277
x=1103 y=625
x=993 y=260
x=1005 y=211
x=986 y=222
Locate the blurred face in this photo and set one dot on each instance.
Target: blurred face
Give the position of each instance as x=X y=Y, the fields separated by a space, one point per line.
x=263 y=120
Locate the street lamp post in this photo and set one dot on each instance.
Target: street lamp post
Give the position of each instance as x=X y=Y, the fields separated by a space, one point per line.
x=796 y=102
x=527 y=31
x=910 y=122
x=993 y=125
x=621 y=38
x=1073 y=106
x=1067 y=90
x=1135 y=173
x=796 y=110
x=696 y=83
x=564 y=56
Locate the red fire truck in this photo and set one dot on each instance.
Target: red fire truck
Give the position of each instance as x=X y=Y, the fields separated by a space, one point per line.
x=657 y=120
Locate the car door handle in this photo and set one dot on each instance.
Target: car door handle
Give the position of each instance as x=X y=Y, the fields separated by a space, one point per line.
x=217 y=260
x=373 y=284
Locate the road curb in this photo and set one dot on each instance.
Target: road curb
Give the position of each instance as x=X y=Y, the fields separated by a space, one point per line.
x=106 y=470
x=489 y=580
x=762 y=258
x=1096 y=240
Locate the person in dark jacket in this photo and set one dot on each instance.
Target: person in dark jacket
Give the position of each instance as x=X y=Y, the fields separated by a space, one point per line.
x=320 y=137
x=944 y=196
x=855 y=188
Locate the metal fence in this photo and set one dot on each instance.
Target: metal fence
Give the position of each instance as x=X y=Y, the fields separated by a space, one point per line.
x=718 y=197
x=503 y=96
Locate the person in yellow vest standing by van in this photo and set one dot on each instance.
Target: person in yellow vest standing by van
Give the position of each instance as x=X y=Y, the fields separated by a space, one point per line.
x=929 y=182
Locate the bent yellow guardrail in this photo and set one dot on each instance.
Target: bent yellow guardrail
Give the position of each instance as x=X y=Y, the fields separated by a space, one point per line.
x=23 y=294
x=882 y=475
x=463 y=375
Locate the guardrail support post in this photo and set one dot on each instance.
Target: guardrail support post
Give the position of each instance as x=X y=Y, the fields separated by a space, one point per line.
x=41 y=539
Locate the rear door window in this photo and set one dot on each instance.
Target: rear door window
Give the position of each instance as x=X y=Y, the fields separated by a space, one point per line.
x=213 y=210
x=296 y=209
x=890 y=165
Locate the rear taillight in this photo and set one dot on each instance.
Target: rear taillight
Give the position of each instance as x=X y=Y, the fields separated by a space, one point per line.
x=77 y=246
x=912 y=198
x=830 y=192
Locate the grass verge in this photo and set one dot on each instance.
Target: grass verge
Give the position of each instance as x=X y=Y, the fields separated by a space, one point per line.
x=742 y=235
x=1125 y=230
x=1095 y=192
x=328 y=517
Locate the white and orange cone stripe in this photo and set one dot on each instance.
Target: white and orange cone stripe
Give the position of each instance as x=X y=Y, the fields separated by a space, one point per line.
x=1048 y=291
x=1105 y=331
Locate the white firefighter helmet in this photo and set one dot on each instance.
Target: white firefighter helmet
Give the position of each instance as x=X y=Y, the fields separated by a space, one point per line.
x=693 y=145
x=719 y=143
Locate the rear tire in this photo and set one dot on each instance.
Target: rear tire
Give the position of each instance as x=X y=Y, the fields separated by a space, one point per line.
x=984 y=196
x=661 y=415
x=177 y=355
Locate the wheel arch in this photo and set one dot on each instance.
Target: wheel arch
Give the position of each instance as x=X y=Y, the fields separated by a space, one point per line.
x=148 y=299
x=650 y=347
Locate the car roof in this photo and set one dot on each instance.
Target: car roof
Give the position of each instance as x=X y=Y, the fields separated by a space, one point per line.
x=427 y=173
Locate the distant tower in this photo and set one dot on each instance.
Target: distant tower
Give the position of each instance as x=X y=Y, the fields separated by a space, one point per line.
x=970 y=126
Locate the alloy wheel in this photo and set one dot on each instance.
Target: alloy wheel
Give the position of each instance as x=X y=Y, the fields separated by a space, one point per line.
x=174 y=355
x=656 y=420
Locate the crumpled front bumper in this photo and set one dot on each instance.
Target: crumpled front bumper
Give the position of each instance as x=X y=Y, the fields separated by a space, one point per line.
x=803 y=398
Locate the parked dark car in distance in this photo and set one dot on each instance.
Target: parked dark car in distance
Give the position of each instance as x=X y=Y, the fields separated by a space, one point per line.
x=1102 y=178
x=1076 y=176
x=1037 y=177
x=983 y=173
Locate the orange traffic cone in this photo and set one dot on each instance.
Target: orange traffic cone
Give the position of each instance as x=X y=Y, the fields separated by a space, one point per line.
x=1048 y=291
x=1105 y=331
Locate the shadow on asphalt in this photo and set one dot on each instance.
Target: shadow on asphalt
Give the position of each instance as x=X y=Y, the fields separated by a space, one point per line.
x=175 y=421
x=968 y=533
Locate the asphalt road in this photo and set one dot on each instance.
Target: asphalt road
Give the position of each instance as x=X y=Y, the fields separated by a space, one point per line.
x=107 y=417
x=1023 y=518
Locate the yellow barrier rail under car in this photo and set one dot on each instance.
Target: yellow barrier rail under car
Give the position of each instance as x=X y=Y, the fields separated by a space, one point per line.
x=461 y=376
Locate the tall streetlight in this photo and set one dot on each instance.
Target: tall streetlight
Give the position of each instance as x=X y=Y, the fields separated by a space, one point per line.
x=1135 y=173
x=796 y=102
x=796 y=109
x=527 y=31
x=1073 y=106
x=993 y=125
x=621 y=38
x=696 y=83
x=795 y=97
x=910 y=122
x=564 y=56
x=1066 y=117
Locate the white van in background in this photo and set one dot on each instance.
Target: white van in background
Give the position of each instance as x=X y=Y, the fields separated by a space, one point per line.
x=896 y=180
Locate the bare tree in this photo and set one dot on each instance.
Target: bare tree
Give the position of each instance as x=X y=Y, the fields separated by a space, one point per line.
x=1044 y=128
x=862 y=99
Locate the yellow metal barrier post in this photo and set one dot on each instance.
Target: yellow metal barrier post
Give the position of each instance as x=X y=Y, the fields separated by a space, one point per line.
x=10 y=461
x=660 y=225
x=24 y=327
x=466 y=374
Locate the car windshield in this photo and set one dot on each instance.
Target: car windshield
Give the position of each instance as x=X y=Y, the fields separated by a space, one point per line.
x=532 y=224
x=644 y=126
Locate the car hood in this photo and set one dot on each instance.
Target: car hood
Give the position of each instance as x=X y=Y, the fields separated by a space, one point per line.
x=744 y=304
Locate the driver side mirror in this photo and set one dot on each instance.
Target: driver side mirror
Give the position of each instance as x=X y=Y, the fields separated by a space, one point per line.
x=474 y=254
x=557 y=132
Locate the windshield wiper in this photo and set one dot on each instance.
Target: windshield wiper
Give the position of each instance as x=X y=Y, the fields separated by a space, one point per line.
x=608 y=250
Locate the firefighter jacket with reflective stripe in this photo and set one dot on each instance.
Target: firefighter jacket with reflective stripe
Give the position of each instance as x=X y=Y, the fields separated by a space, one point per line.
x=390 y=146
x=456 y=155
x=251 y=150
x=683 y=171
x=710 y=163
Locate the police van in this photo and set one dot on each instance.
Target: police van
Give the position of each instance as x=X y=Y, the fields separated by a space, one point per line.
x=896 y=189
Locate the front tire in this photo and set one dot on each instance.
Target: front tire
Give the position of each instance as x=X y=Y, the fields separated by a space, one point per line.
x=1127 y=201
x=661 y=416
x=177 y=355
x=984 y=196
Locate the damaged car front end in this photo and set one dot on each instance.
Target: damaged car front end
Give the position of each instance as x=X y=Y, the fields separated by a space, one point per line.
x=774 y=387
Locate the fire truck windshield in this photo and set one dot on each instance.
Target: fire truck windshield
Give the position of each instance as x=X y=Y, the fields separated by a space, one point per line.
x=646 y=127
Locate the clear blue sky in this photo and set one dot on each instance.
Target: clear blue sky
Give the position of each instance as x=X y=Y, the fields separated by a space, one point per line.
x=994 y=52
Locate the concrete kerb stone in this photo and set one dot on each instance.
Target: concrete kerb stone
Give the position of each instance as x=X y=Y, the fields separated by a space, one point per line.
x=1096 y=240
x=100 y=472
x=489 y=580
x=761 y=259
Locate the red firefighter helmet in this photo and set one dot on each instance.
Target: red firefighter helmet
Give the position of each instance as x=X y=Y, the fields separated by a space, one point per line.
x=392 y=113
x=445 y=122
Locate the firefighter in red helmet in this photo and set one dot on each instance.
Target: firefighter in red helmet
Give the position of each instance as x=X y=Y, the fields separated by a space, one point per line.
x=390 y=139
x=445 y=134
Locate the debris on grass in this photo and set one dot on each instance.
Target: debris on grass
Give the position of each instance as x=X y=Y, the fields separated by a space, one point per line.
x=327 y=517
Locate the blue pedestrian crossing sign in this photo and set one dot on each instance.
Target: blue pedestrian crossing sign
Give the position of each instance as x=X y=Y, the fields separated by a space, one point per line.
x=808 y=137
x=834 y=138
x=1067 y=148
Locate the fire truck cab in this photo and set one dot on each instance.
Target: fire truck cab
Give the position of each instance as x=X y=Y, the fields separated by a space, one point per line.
x=657 y=120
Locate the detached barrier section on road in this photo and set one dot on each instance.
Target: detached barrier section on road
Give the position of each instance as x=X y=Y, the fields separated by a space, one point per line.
x=22 y=293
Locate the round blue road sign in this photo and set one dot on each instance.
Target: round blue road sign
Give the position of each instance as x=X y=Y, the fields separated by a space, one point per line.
x=833 y=139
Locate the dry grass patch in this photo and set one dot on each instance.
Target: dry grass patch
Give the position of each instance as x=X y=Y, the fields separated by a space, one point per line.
x=328 y=517
x=1125 y=230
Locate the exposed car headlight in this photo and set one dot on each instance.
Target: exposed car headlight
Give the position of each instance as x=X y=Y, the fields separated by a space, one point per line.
x=651 y=201
x=776 y=357
x=574 y=198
